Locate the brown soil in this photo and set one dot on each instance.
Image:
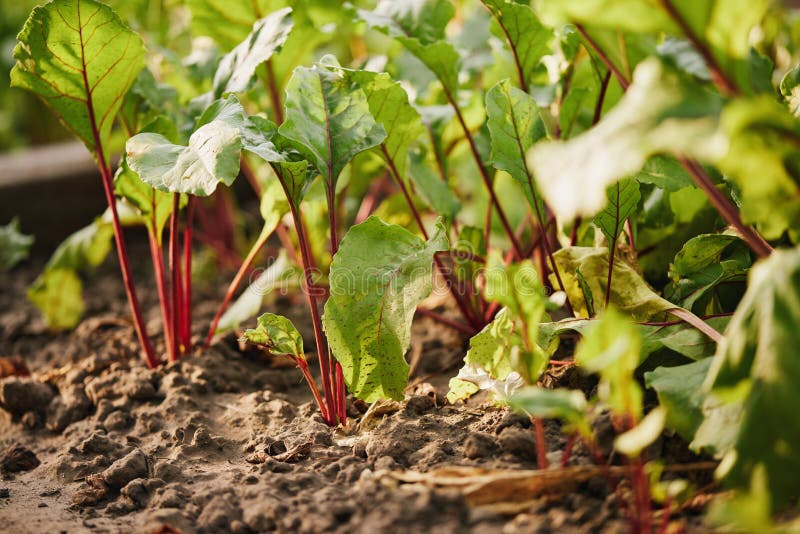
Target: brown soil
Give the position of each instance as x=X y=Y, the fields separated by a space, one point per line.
x=227 y=441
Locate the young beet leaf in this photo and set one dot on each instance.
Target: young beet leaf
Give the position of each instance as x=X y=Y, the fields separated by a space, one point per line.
x=378 y=277
x=14 y=245
x=81 y=59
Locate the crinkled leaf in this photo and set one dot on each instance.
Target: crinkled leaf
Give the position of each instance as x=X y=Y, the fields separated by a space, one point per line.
x=327 y=120
x=681 y=394
x=525 y=35
x=378 y=277
x=515 y=125
x=623 y=199
x=705 y=262
x=81 y=59
x=14 y=245
x=660 y=112
x=211 y=156
x=491 y=349
x=238 y=67
x=278 y=335
x=750 y=414
x=629 y=292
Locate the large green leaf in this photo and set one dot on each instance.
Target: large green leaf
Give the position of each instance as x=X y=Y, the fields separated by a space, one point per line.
x=328 y=120
x=680 y=392
x=528 y=39
x=154 y=207
x=515 y=125
x=661 y=112
x=14 y=245
x=378 y=277
x=751 y=415
x=238 y=67
x=80 y=58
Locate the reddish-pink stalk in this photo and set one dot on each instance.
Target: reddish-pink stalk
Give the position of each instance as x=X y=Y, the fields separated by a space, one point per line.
x=234 y=285
x=568 y=449
x=157 y=256
x=445 y=321
x=541 y=448
x=337 y=376
x=175 y=276
x=119 y=239
x=187 y=273
x=319 y=337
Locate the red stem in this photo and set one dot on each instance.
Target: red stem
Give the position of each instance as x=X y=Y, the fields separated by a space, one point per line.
x=541 y=448
x=157 y=256
x=445 y=321
x=568 y=450
x=175 y=274
x=187 y=271
x=303 y=366
x=119 y=239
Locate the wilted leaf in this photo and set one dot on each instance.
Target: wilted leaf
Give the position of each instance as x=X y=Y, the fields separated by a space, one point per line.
x=58 y=294
x=635 y=440
x=569 y=405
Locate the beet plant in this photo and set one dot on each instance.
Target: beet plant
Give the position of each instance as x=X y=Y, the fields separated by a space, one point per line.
x=624 y=174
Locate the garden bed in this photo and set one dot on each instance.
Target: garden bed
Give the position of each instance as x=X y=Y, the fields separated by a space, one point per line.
x=228 y=441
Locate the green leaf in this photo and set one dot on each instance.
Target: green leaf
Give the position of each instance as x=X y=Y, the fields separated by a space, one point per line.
x=660 y=112
x=278 y=335
x=751 y=415
x=611 y=347
x=528 y=39
x=389 y=105
x=625 y=15
x=569 y=405
x=681 y=394
x=14 y=245
x=378 y=277
x=238 y=67
x=228 y=22
x=58 y=294
x=81 y=59
x=211 y=156
x=327 y=120
x=147 y=101
x=623 y=199
x=515 y=125
x=666 y=173
x=629 y=292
